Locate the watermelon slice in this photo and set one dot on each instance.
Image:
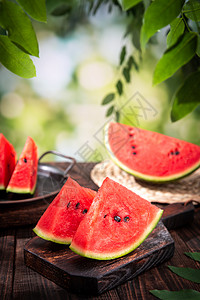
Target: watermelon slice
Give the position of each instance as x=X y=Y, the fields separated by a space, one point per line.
x=62 y=217
x=8 y=160
x=24 y=177
x=117 y=222
x=149 y=155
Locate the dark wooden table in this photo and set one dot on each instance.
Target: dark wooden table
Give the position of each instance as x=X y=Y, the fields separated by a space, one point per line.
x=17 y=281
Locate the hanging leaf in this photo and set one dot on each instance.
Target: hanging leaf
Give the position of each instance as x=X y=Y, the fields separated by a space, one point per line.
x=110 y=111
x=192 y=10
x=175 y=57
x=159 y=14
x=14 y=59
x=119 y=87
x=177 y=28
x=126 y=4
x=19 y=27
x=122 y=55
x=187 y=98
x=187 y=273
x=126 y=73
x=35 y=8
x=110 y=97
x=132 y=62
x=61 y=10
x=117 y=116
x=176 y=295
x=193 y=255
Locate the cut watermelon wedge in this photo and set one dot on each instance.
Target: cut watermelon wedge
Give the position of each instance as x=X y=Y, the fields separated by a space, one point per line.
x=24 y=177
x=117 y=222
x=61 y=219
x=149 y=155
x=8 y=160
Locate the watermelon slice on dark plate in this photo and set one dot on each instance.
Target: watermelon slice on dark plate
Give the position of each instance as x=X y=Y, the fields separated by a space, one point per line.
x=8 y=159
x=24 y=177
x=149 y=155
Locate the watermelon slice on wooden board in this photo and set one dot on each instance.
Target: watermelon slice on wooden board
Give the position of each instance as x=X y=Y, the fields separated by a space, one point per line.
x=117 y=222
x=24 y=177
x=149 y=155
x=62 y=217
x=8 y=160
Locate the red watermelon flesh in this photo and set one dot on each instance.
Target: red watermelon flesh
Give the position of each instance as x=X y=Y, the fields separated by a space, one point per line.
x=8 y=160
x=24 y=177
x=61 y=219
x=117 y=222
x=150 y=155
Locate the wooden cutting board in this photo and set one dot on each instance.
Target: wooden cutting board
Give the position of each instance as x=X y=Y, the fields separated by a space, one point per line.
x=88 y=276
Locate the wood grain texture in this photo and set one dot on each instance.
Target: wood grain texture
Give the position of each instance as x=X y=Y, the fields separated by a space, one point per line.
x=7 y=258
x=89 y=276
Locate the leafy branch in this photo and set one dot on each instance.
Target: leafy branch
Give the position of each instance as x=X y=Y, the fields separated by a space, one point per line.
x=183 y=45
x=18 y=39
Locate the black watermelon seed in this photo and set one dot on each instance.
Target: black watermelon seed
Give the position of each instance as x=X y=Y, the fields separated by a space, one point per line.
x=134 y=153
x=133 y=147
x=105 y=216
x=25 y=160
x=68 y=205
x=77 y=204
x=117 y=219
x=177 y=153
x=126 y=219
x=85 y=211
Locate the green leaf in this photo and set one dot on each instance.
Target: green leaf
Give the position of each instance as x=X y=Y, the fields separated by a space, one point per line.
x=175 y=57
x=159 y=14
x=117 y=116
x=15 y=60
x=187 y=273
x=61 y=10
x=187 y=98
x=126 y=4
x=192 y=10
x=194 y=255
x=177 y=28
x=122 y=55
x=132 y=62
x=110 y=97
x=119 y=87
x=19 y=27
x=126 y=73
x=176 y=295
x=35 y=8
x=110 y=111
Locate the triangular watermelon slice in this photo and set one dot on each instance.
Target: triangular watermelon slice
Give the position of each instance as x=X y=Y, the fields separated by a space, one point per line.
x=24 y=177
x=149 y=155
x=62 y=217
x=117 y=222
x=8 y=160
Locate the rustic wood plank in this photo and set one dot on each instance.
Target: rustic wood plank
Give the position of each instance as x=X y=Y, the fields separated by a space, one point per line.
x=7 y=257
x=82 y=275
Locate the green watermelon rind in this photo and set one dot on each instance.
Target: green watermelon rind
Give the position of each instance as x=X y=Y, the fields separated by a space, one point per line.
x=108 y=256
x=21 y=190
x=2 y=187
x=155 y=179
x=48 y=237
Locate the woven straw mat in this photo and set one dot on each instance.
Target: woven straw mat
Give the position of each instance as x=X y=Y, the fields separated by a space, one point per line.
x=179 y=191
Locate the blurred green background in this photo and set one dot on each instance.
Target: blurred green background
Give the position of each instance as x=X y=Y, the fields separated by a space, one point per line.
x=78 y=65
